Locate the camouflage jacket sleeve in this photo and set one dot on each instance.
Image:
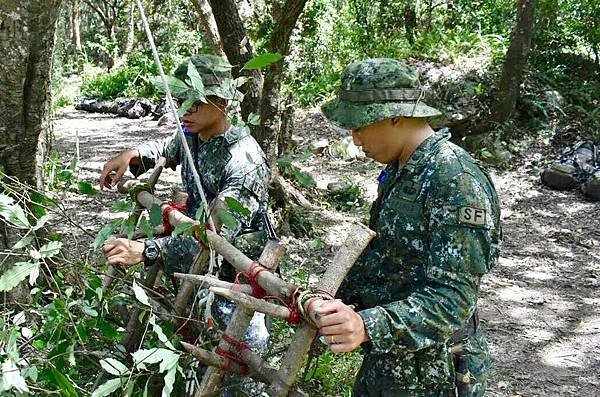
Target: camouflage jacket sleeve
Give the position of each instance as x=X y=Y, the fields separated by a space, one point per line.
x=248 y=185
x=150 y=152
x=459 y=252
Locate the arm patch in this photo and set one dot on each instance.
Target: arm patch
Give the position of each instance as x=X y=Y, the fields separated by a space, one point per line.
x=472 y=216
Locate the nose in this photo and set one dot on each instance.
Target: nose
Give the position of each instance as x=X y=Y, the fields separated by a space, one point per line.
x=356 y=137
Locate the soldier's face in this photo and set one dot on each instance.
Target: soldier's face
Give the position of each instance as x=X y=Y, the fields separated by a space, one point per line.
x=380 y=141
x=202 y=117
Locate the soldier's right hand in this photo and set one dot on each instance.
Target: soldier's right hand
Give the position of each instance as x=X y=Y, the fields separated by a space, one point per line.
x=115 y=168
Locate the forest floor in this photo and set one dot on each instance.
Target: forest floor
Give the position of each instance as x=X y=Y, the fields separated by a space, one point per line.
x=539 y=308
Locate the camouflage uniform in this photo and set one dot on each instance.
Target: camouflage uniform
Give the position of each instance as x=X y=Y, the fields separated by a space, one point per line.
x=437 y=220
x=229 y=165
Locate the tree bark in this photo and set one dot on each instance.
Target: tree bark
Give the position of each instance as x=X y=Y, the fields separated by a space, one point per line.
x=268 y=130
x=207 y=20
x=76 y=26
x=26 y=44
x=238 y=49
x=515 y=62
x=130 y=31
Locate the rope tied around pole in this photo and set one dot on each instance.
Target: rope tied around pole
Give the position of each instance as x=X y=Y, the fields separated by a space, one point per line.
x=233 y=356
x=251 y=276
x=171 y=206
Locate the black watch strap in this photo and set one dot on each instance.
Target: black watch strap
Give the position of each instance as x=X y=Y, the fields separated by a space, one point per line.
x=151 y=252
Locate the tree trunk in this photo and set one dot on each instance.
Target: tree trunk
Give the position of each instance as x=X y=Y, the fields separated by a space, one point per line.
x=207 y=20
x=268 y=130
x=410 y=22
x=514 y=63
x=130 y=31
x=233 y=34
x=26 y=44
x=75 y=26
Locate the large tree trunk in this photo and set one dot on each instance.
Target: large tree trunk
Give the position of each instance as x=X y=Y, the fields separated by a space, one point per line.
x=238 y=49
x=207 y=20
x=129 y=41
x=514 y=63
x=268 y=130
x=26 y=42
x=75 y=26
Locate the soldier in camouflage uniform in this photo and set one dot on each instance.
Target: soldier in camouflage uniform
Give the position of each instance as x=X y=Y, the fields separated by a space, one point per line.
x=437 y=220
x=230 y=164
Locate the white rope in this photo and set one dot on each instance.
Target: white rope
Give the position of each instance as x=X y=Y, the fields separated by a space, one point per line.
x=186 y=148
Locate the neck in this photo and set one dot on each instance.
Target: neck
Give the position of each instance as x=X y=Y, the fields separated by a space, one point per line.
x=417 y=131
x=217 y=128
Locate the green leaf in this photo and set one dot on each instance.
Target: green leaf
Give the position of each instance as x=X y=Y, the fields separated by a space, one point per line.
x=254 y=119
x=221 y=66
x=177 y=87
x=155 y=215
x=303 y=178
x=187 y=104
x=24 y=242
x=107 y=387
x=195 y=79
x=114 y=367
x=13 y=276
x=65 y=385
x=41 y=222
x=86 y=188
x=183 y=228
x=122 y=206
x=159 y=332
x=14 y=214
x=227 y=219
x=146 y=227
x=237 y=206
x=106 y=232
x=262 y=61
x=50 y=249
x=128 y=226
x=140 y=294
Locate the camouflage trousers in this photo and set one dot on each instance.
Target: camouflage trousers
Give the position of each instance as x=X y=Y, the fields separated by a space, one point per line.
x=385 y=387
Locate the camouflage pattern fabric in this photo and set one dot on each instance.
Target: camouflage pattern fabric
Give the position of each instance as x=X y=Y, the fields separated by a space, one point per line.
x=437 y=220
x=229 y=165
x=374 y=90
x=215 y=73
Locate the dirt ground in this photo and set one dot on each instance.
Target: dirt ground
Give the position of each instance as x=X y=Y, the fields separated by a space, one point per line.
x=539 y=308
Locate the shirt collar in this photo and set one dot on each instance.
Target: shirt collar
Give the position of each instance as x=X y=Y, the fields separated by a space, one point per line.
x=423 y=152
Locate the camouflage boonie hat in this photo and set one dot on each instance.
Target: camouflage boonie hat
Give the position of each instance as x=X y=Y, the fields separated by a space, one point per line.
x=215 y=73
x=377 y=89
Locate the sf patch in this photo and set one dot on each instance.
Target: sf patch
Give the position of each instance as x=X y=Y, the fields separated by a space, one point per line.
x=472 y=216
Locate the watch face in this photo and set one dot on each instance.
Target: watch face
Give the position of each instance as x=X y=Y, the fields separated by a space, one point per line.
x=151 y=251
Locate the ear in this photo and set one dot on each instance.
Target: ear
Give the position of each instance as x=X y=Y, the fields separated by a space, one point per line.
x=397 y=121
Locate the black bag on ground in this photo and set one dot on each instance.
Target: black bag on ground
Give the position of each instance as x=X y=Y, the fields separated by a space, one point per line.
x=573 y=167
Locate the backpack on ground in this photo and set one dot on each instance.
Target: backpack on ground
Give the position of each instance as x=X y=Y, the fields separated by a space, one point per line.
x=573 y=167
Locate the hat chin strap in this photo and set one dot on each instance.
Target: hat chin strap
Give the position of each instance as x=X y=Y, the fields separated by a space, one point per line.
x=412 y=113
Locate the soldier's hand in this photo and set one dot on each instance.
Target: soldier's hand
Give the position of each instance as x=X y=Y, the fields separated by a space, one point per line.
x=342 y=327
x=115 y=168
x=124 y=252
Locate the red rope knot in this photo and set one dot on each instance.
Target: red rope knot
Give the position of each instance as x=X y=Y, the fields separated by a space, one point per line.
x=251 y=276
x=171 y=206
x=230 y=357
x=239 y=346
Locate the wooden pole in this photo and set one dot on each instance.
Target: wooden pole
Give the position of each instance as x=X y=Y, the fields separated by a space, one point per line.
x=292 y=361
x=213 y=378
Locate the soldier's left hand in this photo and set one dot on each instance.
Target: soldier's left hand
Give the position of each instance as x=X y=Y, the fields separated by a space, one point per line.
x=123 y=252
x=342 y=327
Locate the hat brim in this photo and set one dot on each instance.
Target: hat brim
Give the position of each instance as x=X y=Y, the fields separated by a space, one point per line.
x=353 y=115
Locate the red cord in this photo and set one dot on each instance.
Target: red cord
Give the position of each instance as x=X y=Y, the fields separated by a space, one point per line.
x=171 y=206
x=251 y=276
x=229 y=357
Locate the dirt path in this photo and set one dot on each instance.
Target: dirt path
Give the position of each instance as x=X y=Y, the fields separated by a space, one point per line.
x=540 y=308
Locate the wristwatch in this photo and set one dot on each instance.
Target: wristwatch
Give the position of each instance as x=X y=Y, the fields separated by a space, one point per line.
x=151 y=251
